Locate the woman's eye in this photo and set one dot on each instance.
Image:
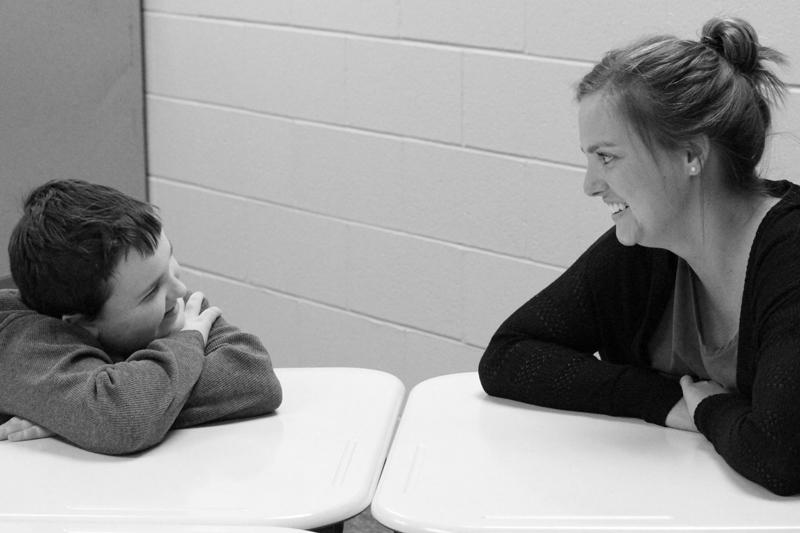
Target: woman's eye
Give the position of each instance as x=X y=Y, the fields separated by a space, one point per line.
x=605 y=158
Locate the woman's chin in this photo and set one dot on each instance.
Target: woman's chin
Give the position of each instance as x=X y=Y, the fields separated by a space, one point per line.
x=625 y=237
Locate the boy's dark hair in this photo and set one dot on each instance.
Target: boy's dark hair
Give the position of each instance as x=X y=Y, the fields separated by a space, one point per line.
x=69 y=241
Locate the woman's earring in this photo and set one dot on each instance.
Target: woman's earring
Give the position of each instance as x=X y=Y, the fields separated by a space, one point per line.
x=693 y=170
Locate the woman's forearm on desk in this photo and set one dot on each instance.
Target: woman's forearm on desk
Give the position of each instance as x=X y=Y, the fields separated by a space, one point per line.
x=554 y=376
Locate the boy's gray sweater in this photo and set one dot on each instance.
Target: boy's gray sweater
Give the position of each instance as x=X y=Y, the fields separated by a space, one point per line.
x=56 y=375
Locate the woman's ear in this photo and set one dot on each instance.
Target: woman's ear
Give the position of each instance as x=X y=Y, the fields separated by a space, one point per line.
x=696 y=155
x=79 y=319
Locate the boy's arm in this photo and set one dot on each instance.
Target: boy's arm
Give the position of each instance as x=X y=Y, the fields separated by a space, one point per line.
x=237 y=379
x=56 y=376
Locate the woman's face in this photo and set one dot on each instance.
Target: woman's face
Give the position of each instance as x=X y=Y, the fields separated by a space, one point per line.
x=641 y=186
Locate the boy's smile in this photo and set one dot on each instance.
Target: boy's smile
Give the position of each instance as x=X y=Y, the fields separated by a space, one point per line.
x=146 y=302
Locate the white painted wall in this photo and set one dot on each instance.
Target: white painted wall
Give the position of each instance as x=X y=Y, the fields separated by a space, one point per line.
x=379 y=183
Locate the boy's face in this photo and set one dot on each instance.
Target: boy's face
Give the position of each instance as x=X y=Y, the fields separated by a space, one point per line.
x=145 y=304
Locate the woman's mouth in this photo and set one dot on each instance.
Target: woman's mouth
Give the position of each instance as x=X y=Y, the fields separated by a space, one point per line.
x=617 y=207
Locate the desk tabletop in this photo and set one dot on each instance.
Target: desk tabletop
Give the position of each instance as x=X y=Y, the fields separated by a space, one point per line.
x=43 y=526
x=314 y=463
x=462 y=461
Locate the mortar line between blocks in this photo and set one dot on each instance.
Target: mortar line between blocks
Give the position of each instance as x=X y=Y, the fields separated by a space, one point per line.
x=366 y=131
x=350 y=34
x=331 y=307
x=355 y=223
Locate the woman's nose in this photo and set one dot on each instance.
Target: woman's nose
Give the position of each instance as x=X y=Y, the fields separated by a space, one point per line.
x=592 y=185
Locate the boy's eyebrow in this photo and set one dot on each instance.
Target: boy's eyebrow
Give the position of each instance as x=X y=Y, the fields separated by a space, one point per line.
x=157 y=282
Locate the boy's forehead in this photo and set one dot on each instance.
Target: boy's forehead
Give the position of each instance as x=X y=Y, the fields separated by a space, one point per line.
x=136 y=272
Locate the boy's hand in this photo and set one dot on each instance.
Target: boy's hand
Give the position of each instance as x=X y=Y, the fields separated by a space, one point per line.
x=17 y=429
x=197 y=321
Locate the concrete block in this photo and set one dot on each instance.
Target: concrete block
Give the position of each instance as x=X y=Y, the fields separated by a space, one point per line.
x=562 y=221
x=238 y=152
x=284 y=250
x=479 y=23
x=281 y=71
x=208 y=230
x=370 y=17
x=571 y=29
x=348 y=174
x=193 y=58
x=465 y=197
x=404 y=89
x=429 y=356
x=297 y=253
x=521 y=106
x=406 y=280
x=294 y=73
x=254 y=10
x=494 y=287
x=782 y=156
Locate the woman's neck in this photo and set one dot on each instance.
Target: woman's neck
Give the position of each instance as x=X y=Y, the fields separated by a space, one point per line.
x=725 y=226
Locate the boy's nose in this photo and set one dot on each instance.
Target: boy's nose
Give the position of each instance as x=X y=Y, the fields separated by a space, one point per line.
x=177 y=289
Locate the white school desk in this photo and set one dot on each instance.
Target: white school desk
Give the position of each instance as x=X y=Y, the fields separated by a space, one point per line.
x=314 y=463
x=40 y=526
x=465 y=462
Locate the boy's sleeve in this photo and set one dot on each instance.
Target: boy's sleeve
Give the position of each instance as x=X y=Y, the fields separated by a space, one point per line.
x=56 y=376
x=237 y=379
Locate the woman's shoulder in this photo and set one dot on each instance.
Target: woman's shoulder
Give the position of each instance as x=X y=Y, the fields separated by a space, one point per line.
x=774 y=261
x=782 y=223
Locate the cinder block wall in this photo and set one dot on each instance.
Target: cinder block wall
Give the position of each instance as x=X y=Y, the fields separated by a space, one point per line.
x=379 y=183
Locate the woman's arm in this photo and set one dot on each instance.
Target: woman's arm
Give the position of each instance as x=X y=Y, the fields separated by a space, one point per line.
x=543 y=353
x=759 y=436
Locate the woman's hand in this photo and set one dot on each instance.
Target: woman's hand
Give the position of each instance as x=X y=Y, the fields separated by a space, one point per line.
x=17 y=429
x=696 y=392
x=679 y=417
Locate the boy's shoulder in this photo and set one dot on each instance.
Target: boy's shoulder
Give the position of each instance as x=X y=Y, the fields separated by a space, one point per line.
x=10 y=301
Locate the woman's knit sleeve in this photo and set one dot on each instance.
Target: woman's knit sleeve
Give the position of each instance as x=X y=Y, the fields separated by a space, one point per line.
x=757 y=430
x=544 y=353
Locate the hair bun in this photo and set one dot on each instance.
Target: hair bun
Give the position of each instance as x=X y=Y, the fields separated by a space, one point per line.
x=735 y=40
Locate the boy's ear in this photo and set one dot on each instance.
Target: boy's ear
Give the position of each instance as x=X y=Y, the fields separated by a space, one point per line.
x=79 y=319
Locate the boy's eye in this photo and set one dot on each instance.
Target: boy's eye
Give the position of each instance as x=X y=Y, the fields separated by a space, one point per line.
x=152 y=293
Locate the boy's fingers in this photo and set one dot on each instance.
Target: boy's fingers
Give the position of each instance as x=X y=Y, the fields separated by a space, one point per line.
x=29 y=433
x=9 y=426
x=194 y=303
x=210 y=315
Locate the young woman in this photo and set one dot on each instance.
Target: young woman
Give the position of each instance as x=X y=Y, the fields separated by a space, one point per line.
x=692 y=300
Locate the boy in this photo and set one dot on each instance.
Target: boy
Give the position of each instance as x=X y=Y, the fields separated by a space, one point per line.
x=99 y=345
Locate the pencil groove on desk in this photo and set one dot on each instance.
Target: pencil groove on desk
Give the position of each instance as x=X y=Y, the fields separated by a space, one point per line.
x=416 y=460
x=344 y=462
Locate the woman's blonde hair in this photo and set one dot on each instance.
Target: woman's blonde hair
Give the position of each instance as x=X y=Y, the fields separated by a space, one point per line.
x=673 y=90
